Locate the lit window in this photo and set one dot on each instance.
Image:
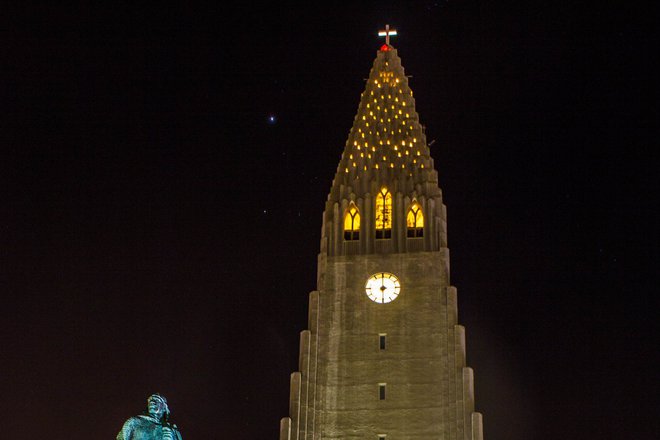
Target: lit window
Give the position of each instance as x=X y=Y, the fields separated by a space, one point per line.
x=352 y=223
x=384 y=214
x=415 y=221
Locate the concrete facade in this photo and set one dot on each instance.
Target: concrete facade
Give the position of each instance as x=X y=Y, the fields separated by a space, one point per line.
x=396 y=370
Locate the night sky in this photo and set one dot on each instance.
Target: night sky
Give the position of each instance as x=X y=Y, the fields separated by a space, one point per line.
x=159 y=231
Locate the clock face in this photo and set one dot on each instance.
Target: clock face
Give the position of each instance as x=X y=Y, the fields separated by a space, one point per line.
x=383 y=287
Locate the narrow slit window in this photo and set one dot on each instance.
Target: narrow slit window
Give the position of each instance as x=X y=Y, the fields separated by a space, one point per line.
x=381 y=341
x=415 y=221
x=352 y=223
x=381 y=391
x=384 y=214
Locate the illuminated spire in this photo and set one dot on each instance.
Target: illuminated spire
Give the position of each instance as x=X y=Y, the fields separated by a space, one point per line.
x=387 y=140
x=385 y=153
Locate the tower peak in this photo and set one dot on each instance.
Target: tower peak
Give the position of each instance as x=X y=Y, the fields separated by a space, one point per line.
x=385 y=153
x=387 y=141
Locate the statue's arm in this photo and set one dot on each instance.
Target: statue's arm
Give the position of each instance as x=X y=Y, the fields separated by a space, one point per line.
x=126 y=432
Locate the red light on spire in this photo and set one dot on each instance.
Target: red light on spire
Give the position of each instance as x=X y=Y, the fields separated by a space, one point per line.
x=384 y=48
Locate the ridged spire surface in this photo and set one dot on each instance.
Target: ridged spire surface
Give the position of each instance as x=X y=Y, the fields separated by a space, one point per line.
x=386 y=152
x=386 y=142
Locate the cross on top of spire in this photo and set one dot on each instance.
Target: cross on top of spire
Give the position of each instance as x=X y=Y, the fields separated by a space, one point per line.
x=386 y=33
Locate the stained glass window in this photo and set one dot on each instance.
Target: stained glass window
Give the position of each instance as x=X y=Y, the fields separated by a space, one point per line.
x=415 y=221
x=384 y=214
x=352 y=223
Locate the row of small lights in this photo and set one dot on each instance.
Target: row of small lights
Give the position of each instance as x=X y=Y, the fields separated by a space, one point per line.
x=386 y=75
x=362 y=134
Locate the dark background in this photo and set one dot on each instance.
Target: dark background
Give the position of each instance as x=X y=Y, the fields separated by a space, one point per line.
x=159 y=234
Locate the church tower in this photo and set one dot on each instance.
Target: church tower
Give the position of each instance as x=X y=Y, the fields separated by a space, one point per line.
x=384 y=356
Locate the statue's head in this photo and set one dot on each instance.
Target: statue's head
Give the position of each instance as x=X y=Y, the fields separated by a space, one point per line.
x=157 y=406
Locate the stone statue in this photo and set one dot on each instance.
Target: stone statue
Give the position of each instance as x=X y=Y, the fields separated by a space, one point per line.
x=153 y=425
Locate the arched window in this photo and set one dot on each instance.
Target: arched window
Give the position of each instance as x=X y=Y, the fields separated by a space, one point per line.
x=415 y=220
x=352 y=223
x=384 y=214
